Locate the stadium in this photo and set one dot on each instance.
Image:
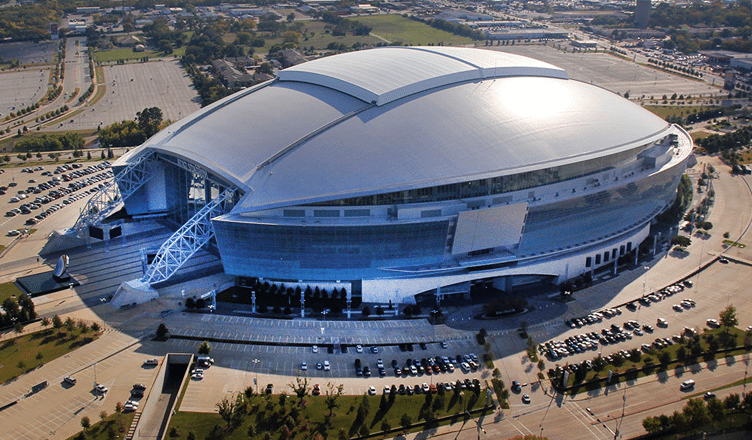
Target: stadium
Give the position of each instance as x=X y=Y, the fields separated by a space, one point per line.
x=400 y=171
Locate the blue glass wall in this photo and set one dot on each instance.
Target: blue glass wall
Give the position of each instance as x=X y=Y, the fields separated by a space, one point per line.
x=326 y=252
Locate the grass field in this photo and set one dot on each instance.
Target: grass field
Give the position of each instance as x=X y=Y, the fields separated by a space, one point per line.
x=665 y=111
x=392 y=28
x=109 y=427
x=109 y=56
x=25 y=353
x=652 y=358
x=8 y=290
x=267 y=415
x=396 y=28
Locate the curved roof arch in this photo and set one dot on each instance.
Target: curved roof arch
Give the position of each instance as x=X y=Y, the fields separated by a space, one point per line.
x=398 y=118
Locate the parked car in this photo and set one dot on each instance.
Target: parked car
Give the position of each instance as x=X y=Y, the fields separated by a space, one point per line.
x=70 y=380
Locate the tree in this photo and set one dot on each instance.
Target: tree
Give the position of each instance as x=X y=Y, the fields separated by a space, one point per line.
x=728 y=317
x=696 y=412
x=149 y=119
x=651 y=424
x=332 y=394
x=664 y=358
x=680 y=240
x=300 y=388
x=46 y=322
x=406 y=421
x=204 y=348
x=85 y=422
x=732 y=402
x=162 y=332
x=230 y=410
x=716 y=409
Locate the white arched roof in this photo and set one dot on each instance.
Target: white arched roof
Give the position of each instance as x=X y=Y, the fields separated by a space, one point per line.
x=399 y=118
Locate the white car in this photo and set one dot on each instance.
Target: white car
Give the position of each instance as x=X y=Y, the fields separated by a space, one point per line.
x=315 y=349
x=359 y=348
x=687 y=384
x=713 y=323
x=70 y=379
x=197 y=376
x=372 y=390
x=304 y=366
x=525 y=398
x=327 y=367
x=101 y=389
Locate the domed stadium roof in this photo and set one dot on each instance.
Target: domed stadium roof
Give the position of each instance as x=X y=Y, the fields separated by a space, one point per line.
x=398 y=118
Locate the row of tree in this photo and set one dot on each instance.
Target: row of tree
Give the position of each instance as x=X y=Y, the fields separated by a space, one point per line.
x=697 y=414
x=720 y=143
x=131 y=132
x=50 y=142
x=18 y=310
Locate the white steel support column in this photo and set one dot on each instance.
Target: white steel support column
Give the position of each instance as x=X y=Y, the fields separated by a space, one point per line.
x=109 y=197
x=187 y=240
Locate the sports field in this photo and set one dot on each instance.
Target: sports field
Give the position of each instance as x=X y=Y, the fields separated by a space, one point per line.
x=395 y=28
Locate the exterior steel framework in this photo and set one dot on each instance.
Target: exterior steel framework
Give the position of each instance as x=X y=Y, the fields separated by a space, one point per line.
x=108 y=198
x=187 y=240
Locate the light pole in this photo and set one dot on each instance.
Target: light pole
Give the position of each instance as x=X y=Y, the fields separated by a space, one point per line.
x=255 y=368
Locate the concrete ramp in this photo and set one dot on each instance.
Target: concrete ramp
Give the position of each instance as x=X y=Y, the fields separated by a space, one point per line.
x=133 y=292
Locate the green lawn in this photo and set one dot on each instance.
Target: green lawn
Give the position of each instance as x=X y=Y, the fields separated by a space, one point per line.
x=8 y=290
x=266 y=415
x=665 y=111
x=394 y=28
x=108 y=428
x=653 y=356
x=397 y=28
x=25 y=353
x=108 y=56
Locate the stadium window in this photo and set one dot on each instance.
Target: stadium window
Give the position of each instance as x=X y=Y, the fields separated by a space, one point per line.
x=605 y=256
x=597 y=259
x=621 y=250
x=588 y=262
x=629 y=246
x=613 y=253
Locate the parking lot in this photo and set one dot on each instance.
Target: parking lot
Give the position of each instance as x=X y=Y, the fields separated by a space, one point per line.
x=615 y=74
x=32 y=194
x=133 y=87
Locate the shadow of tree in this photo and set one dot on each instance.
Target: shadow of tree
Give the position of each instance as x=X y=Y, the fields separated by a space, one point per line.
x=662 y=377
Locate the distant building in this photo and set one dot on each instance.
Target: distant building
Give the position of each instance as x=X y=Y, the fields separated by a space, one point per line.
x=589 y=44
x=77 y=25
x=87 y=9
x=642 y=13
x=129 y=41
x=291 y=57
x=744 y=63
x=231 y=76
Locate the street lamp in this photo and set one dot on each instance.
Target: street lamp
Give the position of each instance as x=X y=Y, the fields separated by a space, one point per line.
x=255 y=368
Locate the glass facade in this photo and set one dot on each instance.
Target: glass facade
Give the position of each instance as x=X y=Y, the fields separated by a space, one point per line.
x=497 y=185
x=299 y=251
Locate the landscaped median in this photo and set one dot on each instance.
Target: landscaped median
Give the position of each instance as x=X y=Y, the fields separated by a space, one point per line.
x=329 y=415
x=26 y=353
x=686 y=351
